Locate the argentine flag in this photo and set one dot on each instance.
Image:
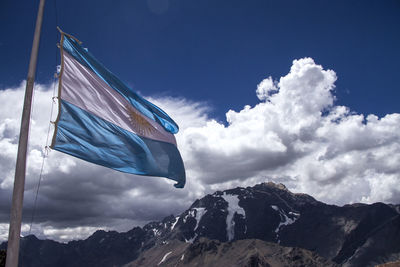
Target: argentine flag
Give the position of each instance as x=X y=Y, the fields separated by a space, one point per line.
x=103 y=121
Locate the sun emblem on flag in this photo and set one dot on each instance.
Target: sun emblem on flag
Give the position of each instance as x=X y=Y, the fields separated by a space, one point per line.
x=140 y=125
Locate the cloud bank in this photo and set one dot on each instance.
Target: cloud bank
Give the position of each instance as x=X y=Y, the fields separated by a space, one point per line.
x=295 y=135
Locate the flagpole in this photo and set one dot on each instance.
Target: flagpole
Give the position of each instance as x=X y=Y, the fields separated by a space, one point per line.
x=19 y=180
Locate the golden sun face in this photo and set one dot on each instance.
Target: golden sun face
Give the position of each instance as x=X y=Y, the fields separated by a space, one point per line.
x=140 y=125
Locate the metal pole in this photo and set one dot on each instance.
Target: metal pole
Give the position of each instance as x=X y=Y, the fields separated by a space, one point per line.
x=19 y=180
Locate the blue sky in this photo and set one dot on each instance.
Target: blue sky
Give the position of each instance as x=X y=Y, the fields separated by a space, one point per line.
x=217 y=51
x=334 y=64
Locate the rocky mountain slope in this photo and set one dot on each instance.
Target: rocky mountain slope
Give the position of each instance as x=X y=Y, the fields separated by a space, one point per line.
x=352 y=235
x=213 y=253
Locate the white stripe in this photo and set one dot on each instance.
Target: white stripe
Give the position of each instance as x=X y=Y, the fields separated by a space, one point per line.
x=84 y=89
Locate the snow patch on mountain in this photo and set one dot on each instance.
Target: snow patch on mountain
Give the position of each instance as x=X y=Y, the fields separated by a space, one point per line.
x=164 y=258
x=174 y=223
x=156 y=232
x=196 y=213
x=233 y=207
x=286 y=219
x=199 y=213
x=191 y=240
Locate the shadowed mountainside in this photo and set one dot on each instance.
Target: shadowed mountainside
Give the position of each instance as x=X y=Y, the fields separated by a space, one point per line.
x=352 y=235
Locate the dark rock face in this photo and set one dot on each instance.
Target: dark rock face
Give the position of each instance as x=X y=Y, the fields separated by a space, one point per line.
x=352 y=235
x=272 y=213
x=100 y=249
x=2 y=258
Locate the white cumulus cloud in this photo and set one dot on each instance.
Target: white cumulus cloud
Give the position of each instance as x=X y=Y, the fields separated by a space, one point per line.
x=296 y=135
x=266 y=88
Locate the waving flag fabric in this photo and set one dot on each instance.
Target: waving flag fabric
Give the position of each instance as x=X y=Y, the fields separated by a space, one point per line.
x=103 y=121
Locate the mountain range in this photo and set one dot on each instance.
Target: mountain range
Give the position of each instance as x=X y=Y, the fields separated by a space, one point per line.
x=263 y=225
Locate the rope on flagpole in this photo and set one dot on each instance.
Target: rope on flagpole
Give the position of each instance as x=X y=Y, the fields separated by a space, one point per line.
x=46 y=147
x=44 y=154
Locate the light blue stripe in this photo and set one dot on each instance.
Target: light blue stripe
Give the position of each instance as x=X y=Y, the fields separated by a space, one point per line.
x=86 y=136
x=145 y=107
